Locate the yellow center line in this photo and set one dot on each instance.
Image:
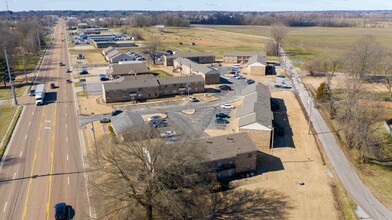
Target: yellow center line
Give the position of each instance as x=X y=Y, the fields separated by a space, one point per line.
x=53 y=137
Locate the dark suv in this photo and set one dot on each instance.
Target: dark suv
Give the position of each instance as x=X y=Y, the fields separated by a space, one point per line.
x=60 y=212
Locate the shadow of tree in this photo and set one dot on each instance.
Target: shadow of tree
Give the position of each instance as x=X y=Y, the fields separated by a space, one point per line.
x=247 y=204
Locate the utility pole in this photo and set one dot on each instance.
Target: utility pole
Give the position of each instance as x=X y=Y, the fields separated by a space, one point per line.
x=24 y=66
x=15 y=102
x=39 y=40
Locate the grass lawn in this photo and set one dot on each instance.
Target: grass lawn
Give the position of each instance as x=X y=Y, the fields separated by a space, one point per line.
x=92 y=56
x=81 y=94
x=77 y=84
x=5 y=92
x=161 y=73
x=7 y=112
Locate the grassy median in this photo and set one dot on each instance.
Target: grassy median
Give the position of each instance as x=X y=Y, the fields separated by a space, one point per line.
x=9 y=117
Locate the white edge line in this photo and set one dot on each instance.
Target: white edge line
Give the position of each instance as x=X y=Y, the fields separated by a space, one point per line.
x=68 y=180
x=67 y=156
x=14 y=176
x=5 y=206
x=20 y=155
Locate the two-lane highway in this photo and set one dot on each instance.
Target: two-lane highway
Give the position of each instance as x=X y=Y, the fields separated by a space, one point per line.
x=43 y=164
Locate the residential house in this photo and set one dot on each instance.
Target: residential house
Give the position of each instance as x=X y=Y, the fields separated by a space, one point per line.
x=126 y=122
x=107 y=50
x=111 y=54
x=127 y=69
x=255 y=115
x=230 y=155
x=256 y=65
x=188 y=67
x=120 y=57
x=198 y=57
x=237 y=57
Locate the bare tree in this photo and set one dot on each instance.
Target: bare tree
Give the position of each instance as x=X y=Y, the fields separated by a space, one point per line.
x=152 y=47
x=386 y=70
x=144 y=173
x=278 y=33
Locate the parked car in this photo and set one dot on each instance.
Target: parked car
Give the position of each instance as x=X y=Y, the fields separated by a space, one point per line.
x=104 y=78
x=278 y=85
x=221 y=121
x=227 y=106
x=105 y=120
x=222 y=115
x=60 y=211
x=225 y=87
x=285 y=86
x=168 y=134
x=52 y=85
x=68 y=70
x=240 y=77
x=250 y=81
x=62 y=64
x=69 y=81
x=116 y=112
x=169 y=52
x=193 y=99
x=83 y=72
x=159 y=124
x=154 y=118
x=140 y=58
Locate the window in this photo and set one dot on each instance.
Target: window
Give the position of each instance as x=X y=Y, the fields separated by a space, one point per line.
x=140 y=89
x=219 y=175
x=230 y=172
x=219 y=164
x=230 y=161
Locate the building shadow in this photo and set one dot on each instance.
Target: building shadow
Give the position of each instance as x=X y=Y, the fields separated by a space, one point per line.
x=225 y=81
x=270 y=70
x=283 y=133
x=70 y=212
x=268 y=163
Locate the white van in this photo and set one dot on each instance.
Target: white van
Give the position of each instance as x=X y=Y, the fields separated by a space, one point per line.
x=236 y=66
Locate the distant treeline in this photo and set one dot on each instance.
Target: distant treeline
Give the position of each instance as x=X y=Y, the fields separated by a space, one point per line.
x=180 y=18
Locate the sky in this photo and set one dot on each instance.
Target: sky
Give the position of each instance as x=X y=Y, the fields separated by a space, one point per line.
x=197 y=5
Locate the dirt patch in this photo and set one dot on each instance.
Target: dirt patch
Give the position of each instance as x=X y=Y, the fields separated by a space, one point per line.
x=93 y=104
x=286 y=168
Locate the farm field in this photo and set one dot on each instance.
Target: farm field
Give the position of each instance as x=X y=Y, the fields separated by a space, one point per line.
x=306 y=42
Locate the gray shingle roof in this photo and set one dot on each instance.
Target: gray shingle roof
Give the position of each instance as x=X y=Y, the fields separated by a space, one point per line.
x=180 y=79
x=258 y=58
x=256 y=106
x=195 y=66
x=191 y=54
x=113 y=86
x=123 y=69
x=126 y=121
x=107 y=50
x=112 y=53
x=241 y=54
x=228 y=146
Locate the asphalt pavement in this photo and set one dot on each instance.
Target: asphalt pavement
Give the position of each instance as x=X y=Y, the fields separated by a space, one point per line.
x=43 y=163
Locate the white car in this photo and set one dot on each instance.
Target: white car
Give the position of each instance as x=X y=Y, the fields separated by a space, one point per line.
x=193 y=99
x=227 y=106
x=168 y=134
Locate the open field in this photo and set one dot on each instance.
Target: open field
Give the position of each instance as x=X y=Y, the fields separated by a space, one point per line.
x=307 y=42
x=5 y=117
x=298 y=161
x=92 y=56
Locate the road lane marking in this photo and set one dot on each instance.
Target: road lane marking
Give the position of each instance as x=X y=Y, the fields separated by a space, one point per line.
x=65 y=114
x=48 y=128
x=26 y=137
x=20 y=155
x=65 y=105
x=29 y=123
x=5 y=206
x=32 y=113
x=68 y=180
x=47 y=120
x=67 y=156
x=14 y=176
x=66 y=139
x=66 y=125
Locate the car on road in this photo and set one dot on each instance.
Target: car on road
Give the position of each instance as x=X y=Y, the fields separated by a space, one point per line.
x=116 y=112
x=227 y=106
x=32 y=92
x=250 y=81
x=52 y=85
x=159 y=124
x=240 y=77
x=221 y=121
x=193 y=99
x=83 y=72
x=60 y=211
x=225 y=87
x=104 y=78
x=62 y=64
x=278 y=85
x=69 y=81
x=68 y=70
x=222 y=115
x=154 y=118
x=285 y=86
x=168 y=134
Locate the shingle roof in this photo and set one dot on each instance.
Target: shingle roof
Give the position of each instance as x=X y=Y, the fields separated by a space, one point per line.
x=241 y=54
x=122 y=55
x=113 y=86
x=191 y=54
x=195 y=66
x=180 y=79
x=112 y=53
x=107 y=50
x=258 y=58
x=228 y=146
x=256 y=106
x=126 y=121
x=128 y=68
